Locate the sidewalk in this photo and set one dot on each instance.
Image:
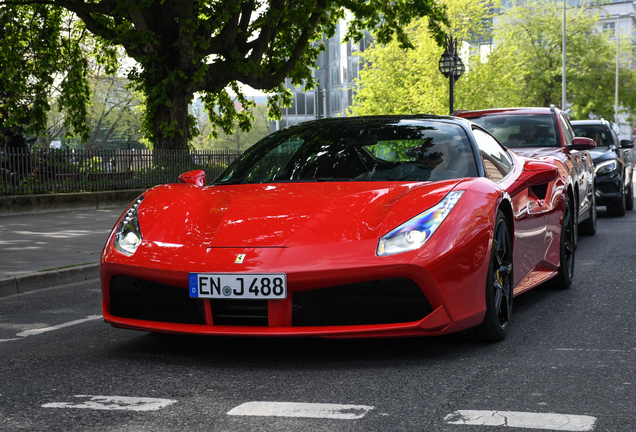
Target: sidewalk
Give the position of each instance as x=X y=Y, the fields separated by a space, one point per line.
x=48 y=249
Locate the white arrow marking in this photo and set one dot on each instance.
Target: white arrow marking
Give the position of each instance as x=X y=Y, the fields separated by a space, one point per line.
x=291 y=409
x=528 y=420
x=48 y=329
x=112 y=403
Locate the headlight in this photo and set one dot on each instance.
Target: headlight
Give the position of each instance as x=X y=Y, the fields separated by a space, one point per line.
x=414 y=233
x=606 y=167
x=128 y=235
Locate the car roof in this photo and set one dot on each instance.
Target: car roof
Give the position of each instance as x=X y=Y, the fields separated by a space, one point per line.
x=416 y=117
x=518 y=110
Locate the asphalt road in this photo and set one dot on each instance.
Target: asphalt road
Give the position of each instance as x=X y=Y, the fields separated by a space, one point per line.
x=570 y=353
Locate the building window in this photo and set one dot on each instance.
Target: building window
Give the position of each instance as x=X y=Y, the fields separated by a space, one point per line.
x=300 y=105
x=609 y=28
x=310 y=103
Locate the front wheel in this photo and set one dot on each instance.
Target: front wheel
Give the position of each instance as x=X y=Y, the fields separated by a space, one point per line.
x=498 y=286
x=619 y=208
x=563 y=280
x=588 y=226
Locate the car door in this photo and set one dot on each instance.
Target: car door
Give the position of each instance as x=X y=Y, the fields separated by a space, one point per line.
x=530 y=211
x=582 y=161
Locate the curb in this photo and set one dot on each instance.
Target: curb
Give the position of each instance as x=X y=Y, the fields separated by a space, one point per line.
x=48 y=279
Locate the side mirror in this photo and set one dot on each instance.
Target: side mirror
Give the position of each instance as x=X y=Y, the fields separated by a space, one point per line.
x=537 y=172
x=627 y=144
x=196 y=178
x=582 y=143
x=534 y=173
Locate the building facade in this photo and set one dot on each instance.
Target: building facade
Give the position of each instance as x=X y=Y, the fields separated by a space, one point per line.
x=337 y=67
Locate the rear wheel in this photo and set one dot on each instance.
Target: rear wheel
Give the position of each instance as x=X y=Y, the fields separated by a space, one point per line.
x=618 y=209
x=566 y=254
x=588 y=226
x=498 y=286
x=629 y=198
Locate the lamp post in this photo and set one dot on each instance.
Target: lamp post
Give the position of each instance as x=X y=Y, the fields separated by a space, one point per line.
x=617 y=34
x=563 y=65
x=451 y=66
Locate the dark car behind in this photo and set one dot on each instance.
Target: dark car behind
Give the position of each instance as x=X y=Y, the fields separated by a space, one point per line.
x=613 y=160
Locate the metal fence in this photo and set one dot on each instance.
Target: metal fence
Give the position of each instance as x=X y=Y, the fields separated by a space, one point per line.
x=38 y=171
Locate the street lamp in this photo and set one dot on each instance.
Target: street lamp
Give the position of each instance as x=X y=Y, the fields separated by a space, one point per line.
x=451 y=66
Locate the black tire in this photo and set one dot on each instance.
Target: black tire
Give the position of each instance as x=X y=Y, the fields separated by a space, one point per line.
x=563 y=280
x=588 y=226
x=629 y=198
x=494 y=328
x=619 y=208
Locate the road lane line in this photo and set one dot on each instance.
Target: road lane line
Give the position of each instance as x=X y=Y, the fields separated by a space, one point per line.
x=115 y=403
x=293 y=409
x=48 y=329
x=527 y=420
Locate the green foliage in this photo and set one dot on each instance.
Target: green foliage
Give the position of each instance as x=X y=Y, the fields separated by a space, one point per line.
x=399 y=81
x=395 y=81
x=112 y=114
x=208 y=46
x=44 y=57
x=239 y=140
x=529 y=40
x=523 y=69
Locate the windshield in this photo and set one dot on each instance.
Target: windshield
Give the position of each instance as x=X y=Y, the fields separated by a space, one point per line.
x=521 y=130
x=598 y=133
x=357 y=149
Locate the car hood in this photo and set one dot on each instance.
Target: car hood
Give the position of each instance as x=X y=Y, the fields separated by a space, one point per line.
x=282 y=214
x=602 y=156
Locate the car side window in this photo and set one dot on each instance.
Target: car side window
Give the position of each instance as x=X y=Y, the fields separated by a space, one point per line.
x=614 y=137
x=497 y=162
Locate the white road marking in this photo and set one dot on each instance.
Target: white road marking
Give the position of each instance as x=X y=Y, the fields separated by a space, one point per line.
x=56 y=327
x=292 y=409
x=112 y=403
x=528 y=420
x=633 y=350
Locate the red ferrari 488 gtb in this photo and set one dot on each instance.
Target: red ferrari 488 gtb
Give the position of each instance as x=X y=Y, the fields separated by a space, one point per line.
x=345 y=227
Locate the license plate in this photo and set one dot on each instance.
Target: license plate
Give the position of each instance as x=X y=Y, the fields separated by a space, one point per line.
x=267 y=286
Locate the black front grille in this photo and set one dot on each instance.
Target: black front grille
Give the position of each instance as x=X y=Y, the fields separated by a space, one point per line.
x=239 y=312
x=608 y=188
x=152 y=301
x=385 y=301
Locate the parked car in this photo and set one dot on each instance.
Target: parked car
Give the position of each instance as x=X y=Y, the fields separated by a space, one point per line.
x=546 y=133
x=345 y=227
x=614 y=163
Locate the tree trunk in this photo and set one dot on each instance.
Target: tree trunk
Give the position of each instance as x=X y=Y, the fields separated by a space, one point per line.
x=171 y=123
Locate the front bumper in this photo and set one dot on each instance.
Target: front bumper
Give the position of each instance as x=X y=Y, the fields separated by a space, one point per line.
x=433 y=291
x=608 y=188
x=390 y=306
